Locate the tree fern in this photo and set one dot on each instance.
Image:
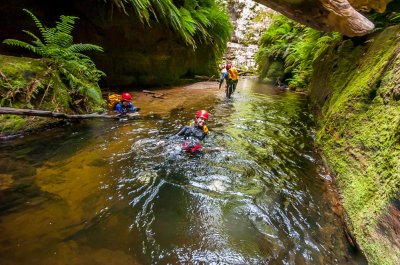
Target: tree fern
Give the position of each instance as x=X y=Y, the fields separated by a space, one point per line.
x=76 y=70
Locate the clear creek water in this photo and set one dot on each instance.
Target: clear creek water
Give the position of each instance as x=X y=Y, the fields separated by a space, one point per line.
x=105 y=192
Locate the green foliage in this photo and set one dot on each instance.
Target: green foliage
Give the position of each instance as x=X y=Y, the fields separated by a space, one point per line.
x=359 y=136
x=391 y=16
x=21 y=80
x=73 y=73
x=194 y=21
x=298 y=46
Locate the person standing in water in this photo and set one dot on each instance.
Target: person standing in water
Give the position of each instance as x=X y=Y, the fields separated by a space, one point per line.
x=232 y=80
x=224 y=74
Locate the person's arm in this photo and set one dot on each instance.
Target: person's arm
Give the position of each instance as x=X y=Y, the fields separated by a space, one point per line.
x=132 y=107
x=118 y=108
x=222 y=79
x=182 y=131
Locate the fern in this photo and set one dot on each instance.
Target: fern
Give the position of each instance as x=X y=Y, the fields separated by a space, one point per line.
x=298 y=46
x=195 y=21
x=21 y=44
x=77 y=70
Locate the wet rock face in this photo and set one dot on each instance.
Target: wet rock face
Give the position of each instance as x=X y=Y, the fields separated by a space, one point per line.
x=389 y=224
x=354 y=86
x=330 y=15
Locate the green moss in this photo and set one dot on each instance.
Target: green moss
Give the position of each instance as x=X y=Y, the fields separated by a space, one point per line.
x=359 y=136
x=32 y=83
x=11 y=123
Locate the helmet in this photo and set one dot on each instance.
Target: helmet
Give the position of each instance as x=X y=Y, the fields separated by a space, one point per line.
x=202 y=114
x=228 y=66
x=126 y=96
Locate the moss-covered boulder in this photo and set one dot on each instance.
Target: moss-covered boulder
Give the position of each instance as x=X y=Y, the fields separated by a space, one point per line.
x=30 y=83
x=356 y=88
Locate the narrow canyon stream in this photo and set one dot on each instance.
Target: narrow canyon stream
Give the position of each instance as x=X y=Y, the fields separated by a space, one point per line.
x=107 y=192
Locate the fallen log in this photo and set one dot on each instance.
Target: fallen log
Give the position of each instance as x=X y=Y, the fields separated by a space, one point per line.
x=154 y=94
x=58 y=115
x=149 y=92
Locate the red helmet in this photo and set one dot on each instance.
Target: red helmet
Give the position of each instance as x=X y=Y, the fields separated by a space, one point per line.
x=228 y=66
x=202 y=114
x=126 y=96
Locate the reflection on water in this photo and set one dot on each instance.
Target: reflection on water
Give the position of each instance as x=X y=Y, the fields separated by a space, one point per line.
x=108 y=193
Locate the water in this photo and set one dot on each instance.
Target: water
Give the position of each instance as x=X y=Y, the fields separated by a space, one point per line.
x=106 y=192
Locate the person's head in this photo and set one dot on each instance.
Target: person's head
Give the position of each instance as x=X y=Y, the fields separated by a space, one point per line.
x=228 y=66
x=201 y=117
x=125 y=98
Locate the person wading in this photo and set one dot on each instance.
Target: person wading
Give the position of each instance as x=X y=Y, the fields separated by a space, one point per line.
x=231 y=79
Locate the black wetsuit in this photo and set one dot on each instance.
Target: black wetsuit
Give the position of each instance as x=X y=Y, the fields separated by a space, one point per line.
x=192 y=135
x=192 y=131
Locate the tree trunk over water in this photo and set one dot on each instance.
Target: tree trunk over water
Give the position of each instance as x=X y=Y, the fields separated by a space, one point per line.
x=58 y=115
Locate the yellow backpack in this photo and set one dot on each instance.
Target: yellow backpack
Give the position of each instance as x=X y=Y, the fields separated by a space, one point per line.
x=233 y=74
x=113 y=100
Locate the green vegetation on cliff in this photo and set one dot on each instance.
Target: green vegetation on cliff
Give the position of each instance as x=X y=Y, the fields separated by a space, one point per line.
x=287 y=51
x=194 y=20
x=359 y=134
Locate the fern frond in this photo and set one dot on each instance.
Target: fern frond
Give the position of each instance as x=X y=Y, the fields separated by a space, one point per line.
x=37 y=22
x=36 y=39
x=83 y=47
x=91 y=92
x=21 y=44
x=66 y=24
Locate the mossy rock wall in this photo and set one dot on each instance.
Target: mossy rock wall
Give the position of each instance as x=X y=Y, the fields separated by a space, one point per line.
x=356 y=88
x=134 y=53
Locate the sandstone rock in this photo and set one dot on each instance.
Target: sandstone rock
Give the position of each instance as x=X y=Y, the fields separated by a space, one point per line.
x=330 y=15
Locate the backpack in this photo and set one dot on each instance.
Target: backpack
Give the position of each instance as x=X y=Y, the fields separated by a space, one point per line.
x=113 y=100
x=233 y=74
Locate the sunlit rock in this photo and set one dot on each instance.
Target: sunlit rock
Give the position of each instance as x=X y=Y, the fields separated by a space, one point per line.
x=249 y=20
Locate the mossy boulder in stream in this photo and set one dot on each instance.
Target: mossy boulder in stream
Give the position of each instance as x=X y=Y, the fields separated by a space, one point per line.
x=356 y=87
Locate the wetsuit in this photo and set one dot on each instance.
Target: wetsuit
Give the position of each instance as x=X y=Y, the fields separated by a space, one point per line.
x=123 y=109
x=192 y=131
x=191 y=135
